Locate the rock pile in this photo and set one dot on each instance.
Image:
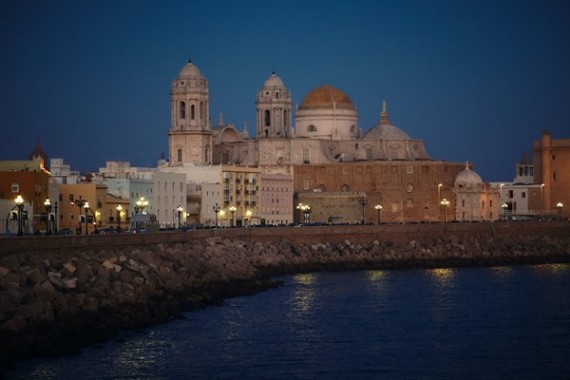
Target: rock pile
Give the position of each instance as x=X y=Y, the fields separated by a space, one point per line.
x=55 y=302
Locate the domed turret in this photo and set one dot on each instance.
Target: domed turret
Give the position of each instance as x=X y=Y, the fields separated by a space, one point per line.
x=467 y=178
x=273 y=109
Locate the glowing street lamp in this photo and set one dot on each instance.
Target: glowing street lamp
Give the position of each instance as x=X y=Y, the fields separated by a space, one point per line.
x=439 y=186
x=20 y=205
x=179 y=213
x=559 y=206
x=504 y=206
x=47 y=203
x=248 y=214
x=305 y=211
x=119 y=210
x=86 y=207
x=142 y=203
x=233 y=211
x=378 y=209
x=445 y=203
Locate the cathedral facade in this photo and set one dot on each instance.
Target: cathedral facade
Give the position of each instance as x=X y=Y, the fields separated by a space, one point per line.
x=321 y=145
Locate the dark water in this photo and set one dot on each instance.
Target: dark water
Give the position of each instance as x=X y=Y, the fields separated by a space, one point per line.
x=475 y=323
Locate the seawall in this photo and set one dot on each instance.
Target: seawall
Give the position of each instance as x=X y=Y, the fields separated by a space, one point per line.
x=58 y=294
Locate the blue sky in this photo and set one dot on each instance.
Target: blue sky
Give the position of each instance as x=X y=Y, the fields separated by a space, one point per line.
x=478 y=81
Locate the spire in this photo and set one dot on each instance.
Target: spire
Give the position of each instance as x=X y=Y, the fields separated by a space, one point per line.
x=384 y=114
x=221 y=119
x=245 y=134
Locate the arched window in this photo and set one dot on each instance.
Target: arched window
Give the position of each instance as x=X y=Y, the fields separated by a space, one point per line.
x=192 y=112
x=311 y=128
x=267 y=118
x=182 y=109
x=369 y=154
x=322 y=188
x=345 y=188
x=202 y=111
x=352 y=128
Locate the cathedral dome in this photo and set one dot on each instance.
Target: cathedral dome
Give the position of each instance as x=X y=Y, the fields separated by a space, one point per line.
x=328 y=97
x=468 y=178
x=189 y=71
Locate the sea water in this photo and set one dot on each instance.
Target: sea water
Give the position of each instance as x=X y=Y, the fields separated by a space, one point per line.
x=468 y=323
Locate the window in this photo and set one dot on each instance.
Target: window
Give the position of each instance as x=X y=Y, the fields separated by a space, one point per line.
x=182 y=106
x=306 y=184
x=306 y=156
x=179 y=155
x=523 y=194
x=267 y=118
x=345 y=188
x=15 y=187
x=192 y=112
x=369 y=154
x=311 y=128
x=202 y=111
x=409 y=169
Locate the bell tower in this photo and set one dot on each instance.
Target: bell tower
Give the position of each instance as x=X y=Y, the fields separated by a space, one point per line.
x=190 y=135
x=273 y=106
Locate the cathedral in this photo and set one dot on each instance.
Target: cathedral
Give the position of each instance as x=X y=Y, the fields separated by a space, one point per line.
x=341 y=170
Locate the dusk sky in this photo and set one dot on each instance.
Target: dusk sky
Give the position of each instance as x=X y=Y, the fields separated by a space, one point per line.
x=478 y=81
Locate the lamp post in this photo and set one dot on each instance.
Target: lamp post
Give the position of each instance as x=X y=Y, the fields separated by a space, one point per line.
x=233 y=211
x=56 y=215
x=248 y=214
x=86 y=207
x=119 y=209
x=559 y=205
x=378 y=209
x=141 y=205
x=439 y=186
x=445 y=203
x=47 y=203
x=305 y=211
x=363 y=203
x=216 y=211
x=504 y=206
x=79 y=203
x=20 y=204
x=179 y=213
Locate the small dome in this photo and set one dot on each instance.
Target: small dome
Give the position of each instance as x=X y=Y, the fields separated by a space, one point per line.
x=273 y=81
x=189 y=70
x=328 y=97
x=468 y=178
x=386 y=132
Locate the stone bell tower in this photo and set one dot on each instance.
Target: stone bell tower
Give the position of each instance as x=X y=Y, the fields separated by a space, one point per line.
x=273 y=106
x=190 y=136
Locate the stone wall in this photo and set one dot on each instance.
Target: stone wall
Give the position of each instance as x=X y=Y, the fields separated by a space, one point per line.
x=58 y=294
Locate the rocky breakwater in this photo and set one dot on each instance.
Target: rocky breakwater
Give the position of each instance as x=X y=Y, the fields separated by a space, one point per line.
x=56 y=301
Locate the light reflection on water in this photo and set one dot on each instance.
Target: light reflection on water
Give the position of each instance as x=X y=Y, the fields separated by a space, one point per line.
x=468 y=323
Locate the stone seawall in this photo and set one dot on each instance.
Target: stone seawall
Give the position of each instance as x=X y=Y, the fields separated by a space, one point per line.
x=58 y=294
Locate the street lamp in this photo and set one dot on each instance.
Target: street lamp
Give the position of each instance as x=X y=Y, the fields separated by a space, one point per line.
x=248 y=214
x=378 y=209
x=305 y=210
x=504 y=206
x=233 y=211
x=179 y=213
x=363 y=203
x=439 y=186
x=119 y=209
x=216 y=211
x=79 y=203
x=20 y=204
x=445 y=203
x=86 y=208
x=141 y=204
x=559 y=205
x=55 y=216
x=47 y=203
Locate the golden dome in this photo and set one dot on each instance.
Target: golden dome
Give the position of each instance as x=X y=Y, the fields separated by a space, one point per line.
x=326 y=96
